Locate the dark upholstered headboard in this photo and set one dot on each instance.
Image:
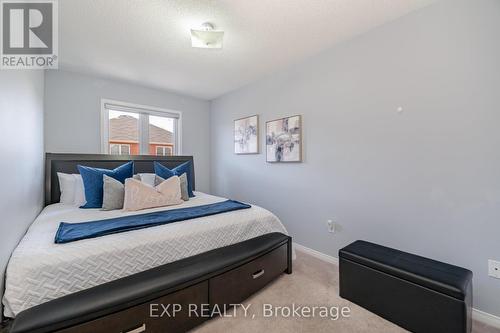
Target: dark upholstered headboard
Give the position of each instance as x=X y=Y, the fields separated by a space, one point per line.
x=67 y=163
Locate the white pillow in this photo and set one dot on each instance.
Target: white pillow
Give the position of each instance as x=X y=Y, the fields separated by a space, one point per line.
x=148 y=178
x=67 y=188
x=79 y=191
x=72 y=190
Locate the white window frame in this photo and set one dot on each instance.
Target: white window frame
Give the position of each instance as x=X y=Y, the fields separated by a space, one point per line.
x=144 y=112
x=120 y=147
x=164 y=148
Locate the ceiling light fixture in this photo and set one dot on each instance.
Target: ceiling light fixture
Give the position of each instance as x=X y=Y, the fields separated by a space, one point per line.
x=207 y=37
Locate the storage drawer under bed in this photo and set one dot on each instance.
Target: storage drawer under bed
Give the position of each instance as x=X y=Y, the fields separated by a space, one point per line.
x=238 y=284
x=137 y=319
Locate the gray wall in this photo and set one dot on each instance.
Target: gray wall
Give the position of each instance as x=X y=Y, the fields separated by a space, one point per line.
x=21 y=163
x=73 y=107
x=425 y=181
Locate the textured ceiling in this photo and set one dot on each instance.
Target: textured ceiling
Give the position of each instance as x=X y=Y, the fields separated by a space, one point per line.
x=148 y=41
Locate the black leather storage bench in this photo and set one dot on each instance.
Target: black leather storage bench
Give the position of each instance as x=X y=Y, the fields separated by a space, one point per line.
x=416 y=293
x=220 y=277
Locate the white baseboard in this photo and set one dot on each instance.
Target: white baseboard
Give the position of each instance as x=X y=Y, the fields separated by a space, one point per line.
x=481 y=316
x=486 y=318
x=317 y=254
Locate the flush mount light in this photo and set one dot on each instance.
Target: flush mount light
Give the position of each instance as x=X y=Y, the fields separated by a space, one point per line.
x=207 y=37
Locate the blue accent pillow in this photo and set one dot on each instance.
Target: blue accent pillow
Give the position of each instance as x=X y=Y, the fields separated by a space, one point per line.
x=93 y=181
x=166 y=173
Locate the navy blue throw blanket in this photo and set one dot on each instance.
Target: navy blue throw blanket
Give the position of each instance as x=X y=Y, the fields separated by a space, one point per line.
x=70 y=232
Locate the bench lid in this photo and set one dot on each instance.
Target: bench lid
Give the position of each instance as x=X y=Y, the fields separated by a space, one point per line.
x=448 y=279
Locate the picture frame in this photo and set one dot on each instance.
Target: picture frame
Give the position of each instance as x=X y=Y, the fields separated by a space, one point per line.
x=284 y=140
x=246 y=135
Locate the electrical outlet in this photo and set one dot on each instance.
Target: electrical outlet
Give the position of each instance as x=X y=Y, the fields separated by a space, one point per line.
x=331 y=226
x=494 y=268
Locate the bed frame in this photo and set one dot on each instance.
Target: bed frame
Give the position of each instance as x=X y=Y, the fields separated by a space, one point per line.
x=215 y=279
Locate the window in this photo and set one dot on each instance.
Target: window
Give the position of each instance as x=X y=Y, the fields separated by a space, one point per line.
x=163 y=150
x=130 y=129
x=119 y=149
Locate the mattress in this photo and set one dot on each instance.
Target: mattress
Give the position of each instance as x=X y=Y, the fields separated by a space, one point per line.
x=40 y=270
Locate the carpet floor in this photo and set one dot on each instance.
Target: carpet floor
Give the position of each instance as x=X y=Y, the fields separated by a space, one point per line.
x=313 y=283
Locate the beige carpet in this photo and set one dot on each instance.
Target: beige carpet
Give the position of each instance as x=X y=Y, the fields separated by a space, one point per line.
x=313 y=282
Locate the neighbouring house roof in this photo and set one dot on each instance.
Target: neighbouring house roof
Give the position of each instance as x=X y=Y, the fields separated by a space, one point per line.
x=125 y=128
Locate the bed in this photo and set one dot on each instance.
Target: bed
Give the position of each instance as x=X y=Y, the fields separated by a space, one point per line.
x=41 y=271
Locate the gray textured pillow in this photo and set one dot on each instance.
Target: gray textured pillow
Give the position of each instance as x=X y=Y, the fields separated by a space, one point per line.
x=184 y=187
x=113 y=194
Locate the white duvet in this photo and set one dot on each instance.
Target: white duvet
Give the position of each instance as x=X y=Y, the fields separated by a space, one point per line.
x=40 y=270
